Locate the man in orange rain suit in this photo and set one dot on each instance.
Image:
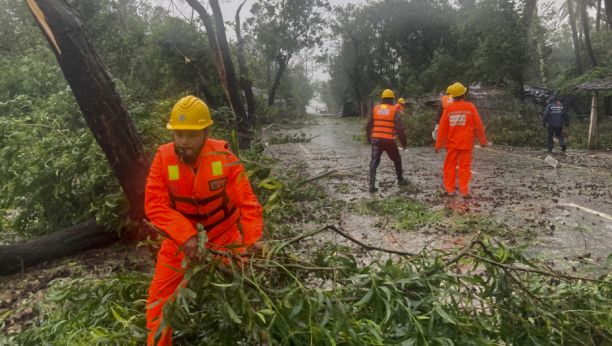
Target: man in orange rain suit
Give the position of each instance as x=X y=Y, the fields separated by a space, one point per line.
x=399 y=107
x=459 y=123
x=190 y=183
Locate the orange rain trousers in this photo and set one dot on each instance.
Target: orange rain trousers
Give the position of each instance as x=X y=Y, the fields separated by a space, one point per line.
x=464 y=158
x=166 y=281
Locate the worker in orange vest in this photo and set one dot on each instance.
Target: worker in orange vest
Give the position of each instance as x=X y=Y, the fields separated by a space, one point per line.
x=384 y=125
x=399 y=107
x=190 y=183
x=459 y=123
x=446 y=100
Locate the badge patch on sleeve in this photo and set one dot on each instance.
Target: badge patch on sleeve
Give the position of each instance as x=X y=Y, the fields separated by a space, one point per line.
x=217 y=168
x=218 y=184
x=173 y=173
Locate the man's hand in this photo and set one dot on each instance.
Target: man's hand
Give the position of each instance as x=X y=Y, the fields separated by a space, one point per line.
x=257 y=248
x=437 y=150
x=190 y=247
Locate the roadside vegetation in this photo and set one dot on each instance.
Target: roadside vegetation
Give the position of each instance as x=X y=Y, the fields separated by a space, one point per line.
x=307 y=289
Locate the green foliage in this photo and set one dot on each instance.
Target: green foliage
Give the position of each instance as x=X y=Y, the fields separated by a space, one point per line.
x=290 y=138
x=479 y=297
x=417 y=47
x=85 y=311
x=419 y=126
x=408 y=213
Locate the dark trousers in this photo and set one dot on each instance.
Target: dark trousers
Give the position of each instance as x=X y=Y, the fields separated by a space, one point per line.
x=556 y=131
x=381 y=145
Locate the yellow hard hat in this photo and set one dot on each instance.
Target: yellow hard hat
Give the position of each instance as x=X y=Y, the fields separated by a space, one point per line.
x=456 y=90
x=401 y=100
x=448 y=89
x=388 y=94
x=190 y=113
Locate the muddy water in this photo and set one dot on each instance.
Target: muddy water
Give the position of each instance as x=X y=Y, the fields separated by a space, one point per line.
x=569 y=208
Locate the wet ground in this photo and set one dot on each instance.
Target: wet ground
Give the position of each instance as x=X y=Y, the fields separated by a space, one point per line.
x=19 y=292
x=564 y=212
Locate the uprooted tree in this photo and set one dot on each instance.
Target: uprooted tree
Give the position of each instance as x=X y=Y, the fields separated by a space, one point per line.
x=109 y=122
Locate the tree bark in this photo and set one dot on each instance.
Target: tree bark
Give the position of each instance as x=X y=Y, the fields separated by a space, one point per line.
x=593 y=141
x=212 y=40
x=225 y=66
x=598 y=15
x=208 y=95
x=587 y=35
x=109 y=122
x=242 y=120
x=98 y=99
x=245 y=82
x=15 y=258
x=530 y=6
x=283 y=61
x=609 y=12
x=572 y=23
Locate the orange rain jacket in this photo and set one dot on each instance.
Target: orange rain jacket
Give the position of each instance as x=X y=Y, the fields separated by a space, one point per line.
x=459 y=123
x=178 y=197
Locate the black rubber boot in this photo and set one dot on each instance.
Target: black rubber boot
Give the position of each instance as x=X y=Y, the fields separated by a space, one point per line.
x=400 y=178
x=373 y=180
x=563 y=148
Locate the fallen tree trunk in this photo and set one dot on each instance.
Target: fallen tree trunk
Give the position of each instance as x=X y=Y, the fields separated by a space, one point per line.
x=109 y=122
x=16 y=257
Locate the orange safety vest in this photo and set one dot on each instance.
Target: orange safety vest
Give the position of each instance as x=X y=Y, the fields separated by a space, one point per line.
x=399 y=107
x=446 y=100
x=384 y=122
x=200 y=196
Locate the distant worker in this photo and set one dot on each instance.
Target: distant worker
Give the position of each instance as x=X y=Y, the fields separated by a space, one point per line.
x=458 y=125
x=400 y=105
x=383 y=127
x=190 y=182
x=555 y=115
x=446 y=100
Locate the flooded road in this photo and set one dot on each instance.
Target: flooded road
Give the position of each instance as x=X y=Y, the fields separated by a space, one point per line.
x=567 y=211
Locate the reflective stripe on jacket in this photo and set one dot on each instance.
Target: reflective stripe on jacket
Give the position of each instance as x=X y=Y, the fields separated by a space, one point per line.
x=459 y=123
x=177 y=197
x=384 y=122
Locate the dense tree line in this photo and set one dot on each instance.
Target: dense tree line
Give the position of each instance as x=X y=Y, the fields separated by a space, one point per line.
x=418 y=47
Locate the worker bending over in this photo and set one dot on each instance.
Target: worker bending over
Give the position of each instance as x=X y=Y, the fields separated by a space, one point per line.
x=384 y=125
x=446 y=100
x=399 y=107
x=458 y=125
x=190 y=182
x=555 y=115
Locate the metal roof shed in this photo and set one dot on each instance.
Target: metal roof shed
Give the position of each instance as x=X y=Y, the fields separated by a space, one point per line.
x=596 y=86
